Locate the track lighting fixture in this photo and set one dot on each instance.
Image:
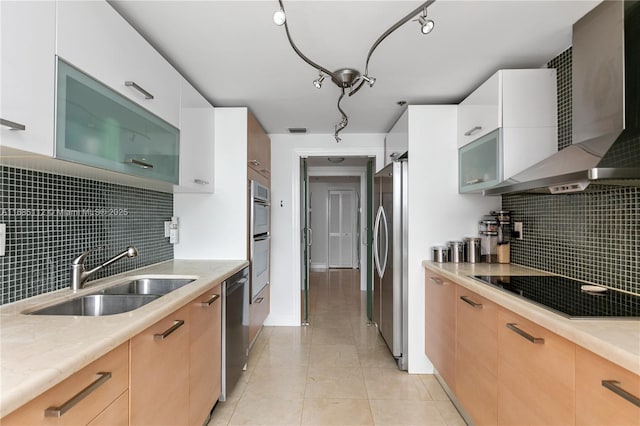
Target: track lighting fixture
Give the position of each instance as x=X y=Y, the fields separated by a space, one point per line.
x=318 y=81
x=426 y=24
x=279 y=17
x=349 y=78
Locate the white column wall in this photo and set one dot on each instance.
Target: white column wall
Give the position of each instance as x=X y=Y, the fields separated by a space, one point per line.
x=286 y=151
x=437 y=213
x=214 y=226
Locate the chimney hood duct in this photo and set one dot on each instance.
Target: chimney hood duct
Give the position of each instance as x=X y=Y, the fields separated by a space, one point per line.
x=606 y=108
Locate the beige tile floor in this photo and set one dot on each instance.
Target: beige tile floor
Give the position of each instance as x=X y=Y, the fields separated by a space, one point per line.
x=336 y=371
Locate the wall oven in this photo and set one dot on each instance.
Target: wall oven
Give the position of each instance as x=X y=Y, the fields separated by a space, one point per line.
x=260 y=238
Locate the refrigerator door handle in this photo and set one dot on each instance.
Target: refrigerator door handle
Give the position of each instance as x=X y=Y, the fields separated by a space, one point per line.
x=386 y=240
x=376 y=254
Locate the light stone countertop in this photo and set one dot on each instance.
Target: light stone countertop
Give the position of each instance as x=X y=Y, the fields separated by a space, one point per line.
x=39 y=351
x=616 y=340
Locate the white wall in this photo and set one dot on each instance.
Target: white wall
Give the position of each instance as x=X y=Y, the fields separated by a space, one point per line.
x=214 y=226
x=319 y=193
x=286 y=151
x=437 y=213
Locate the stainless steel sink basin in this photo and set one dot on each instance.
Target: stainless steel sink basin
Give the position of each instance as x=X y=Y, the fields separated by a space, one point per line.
x=98 y=305
x=151 y=286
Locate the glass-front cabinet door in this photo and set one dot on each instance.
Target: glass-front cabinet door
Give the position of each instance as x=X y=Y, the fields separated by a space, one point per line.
x=480 y=163
x=98 y=127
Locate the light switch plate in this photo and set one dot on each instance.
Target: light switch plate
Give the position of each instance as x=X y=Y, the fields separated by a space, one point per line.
x=167 y=229
x=3 y=238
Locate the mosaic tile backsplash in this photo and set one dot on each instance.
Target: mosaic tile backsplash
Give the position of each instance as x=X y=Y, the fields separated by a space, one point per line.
x=51 y=219
x=592 y=235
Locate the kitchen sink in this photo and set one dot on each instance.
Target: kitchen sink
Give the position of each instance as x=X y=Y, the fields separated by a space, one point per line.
x=148 y=286
x=95 y=305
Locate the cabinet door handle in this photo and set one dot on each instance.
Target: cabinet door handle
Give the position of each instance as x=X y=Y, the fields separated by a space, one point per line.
x=201 y=181
x=535 y=340
x=473 y=181
x=210 y=301
x=473 y=130
x=133 y=84
x=258 y=300
x=59 y=411
x=254 y=162
x=140 y=163
x=12 y=125
x=613 y=386
x=471 y=302
x=176 y=325
x=437 y=280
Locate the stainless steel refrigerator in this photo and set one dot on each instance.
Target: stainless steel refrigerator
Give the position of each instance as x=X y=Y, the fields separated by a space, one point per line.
x=390 y=258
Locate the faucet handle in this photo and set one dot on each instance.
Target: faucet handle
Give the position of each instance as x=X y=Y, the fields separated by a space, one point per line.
x=81 y=259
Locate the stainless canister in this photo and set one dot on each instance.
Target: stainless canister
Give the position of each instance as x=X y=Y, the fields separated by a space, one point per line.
x=456 y=251
x=472 y=249
x=440 y=254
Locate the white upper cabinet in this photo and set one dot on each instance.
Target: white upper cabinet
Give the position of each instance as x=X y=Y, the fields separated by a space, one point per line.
x=27 y=90
x=396 y=142
x=94 y=38
x=197 y=128
x=509 y=98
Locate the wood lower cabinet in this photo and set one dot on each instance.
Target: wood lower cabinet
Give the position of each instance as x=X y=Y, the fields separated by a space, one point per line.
x=440 y=326
x=159 y=385
x=477 y=356
x=205 y=352
x=536 y=374
x=599 y=405
x=102 y=382
x=258 y=312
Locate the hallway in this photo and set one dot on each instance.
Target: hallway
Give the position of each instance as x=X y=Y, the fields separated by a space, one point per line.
x=336 y=371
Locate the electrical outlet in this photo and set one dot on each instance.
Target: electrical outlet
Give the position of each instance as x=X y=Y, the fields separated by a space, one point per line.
x=517 y=227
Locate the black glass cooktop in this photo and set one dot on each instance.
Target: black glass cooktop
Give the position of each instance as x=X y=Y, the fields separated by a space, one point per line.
x=567 y=296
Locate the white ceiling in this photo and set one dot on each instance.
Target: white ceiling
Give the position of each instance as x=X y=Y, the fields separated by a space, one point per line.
x=235 y=55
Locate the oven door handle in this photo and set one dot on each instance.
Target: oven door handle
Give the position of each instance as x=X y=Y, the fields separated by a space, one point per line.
x=262 y=237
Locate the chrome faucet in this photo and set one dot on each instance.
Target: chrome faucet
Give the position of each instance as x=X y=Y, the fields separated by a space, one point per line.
x=79 y=273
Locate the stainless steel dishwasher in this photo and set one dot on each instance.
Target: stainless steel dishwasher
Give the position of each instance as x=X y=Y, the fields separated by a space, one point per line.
x=235 y=329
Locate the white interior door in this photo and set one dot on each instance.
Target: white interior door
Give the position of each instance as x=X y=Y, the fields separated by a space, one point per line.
x=342 y=219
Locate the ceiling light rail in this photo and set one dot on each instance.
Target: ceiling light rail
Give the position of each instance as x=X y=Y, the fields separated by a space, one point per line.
x=350 y=78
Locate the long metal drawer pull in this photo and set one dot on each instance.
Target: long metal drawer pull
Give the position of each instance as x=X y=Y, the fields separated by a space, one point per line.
x=612 y=385
x=472 y=131
x=437 y=280
x=139 y=163
x=12 y=125
x=210 y=301
x=201 y=181
x=536 y=340
x=59 y=411
x=133 y=84
x=471 y=302
x=177 y=324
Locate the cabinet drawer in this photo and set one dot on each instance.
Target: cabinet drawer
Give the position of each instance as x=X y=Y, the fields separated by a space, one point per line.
x=535 y=378
x=258 y=312
x=100 y=383
x=597 y=404
x=115 y=54
x=440 y=326
x=477 y=356
x=116 y=414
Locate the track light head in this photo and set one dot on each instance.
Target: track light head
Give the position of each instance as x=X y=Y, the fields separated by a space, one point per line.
x=370 y=80
x=426 y=24
x=279 y=17
x=318 y=81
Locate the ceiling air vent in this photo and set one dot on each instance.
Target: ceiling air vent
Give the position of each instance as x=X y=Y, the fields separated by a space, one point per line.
x=297 y=130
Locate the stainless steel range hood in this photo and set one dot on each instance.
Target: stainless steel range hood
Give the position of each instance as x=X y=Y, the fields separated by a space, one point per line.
x=606 y=108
